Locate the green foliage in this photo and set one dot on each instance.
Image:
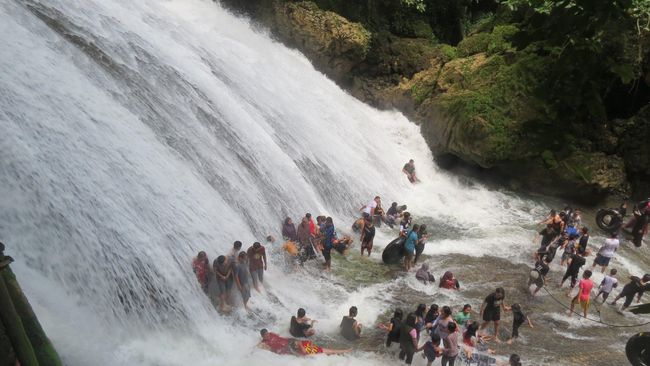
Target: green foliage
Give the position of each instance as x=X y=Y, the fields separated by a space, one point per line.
x=418 y=5
x=448 y=53
x=474 y=44
x=549 y=159
x=500 y=39
x=499 y=97
x=590 y=46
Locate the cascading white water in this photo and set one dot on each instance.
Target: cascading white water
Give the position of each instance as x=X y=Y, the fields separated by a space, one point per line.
x=134 y=134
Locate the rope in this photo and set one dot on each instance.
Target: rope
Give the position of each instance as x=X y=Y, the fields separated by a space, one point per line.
x=595 y=320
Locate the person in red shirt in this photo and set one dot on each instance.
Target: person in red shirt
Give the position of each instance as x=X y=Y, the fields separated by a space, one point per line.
x=312 y=226
x=586 y=284
x=282 y=346
x=257 y=264
x=201 y=268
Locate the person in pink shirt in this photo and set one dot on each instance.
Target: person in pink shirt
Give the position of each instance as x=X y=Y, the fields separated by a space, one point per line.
x=585 y=286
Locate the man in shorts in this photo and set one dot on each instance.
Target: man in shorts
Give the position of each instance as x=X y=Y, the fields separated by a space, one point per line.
x=257 y=264
x=606 y=252
x=538 y=274
x=491 y=310
x=607 y=285
x=585 y=286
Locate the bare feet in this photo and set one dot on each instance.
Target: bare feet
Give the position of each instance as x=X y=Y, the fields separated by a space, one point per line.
x=509 y=341
x=496 y=339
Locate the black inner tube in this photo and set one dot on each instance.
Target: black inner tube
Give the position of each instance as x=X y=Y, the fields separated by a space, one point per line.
x=637 y=349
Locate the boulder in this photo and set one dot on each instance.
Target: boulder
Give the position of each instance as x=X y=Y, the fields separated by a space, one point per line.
x=334 y=44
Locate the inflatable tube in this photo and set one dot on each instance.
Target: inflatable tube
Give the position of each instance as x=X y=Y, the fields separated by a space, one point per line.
x=394 y=251
x=608 y=219
x=637 y=349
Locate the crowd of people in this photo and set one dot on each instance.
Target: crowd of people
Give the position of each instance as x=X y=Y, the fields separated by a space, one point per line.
x=434 y=331
x=564 y=231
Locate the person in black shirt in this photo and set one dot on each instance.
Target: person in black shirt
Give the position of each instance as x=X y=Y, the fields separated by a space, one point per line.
x=491 y=310
x=350 y=327
x=635 y=286
x=538 y=275
x=547 y=234
x=301 y=326
x=367 y=236
x=573 y=269
x=518 y=319
x=393 y=328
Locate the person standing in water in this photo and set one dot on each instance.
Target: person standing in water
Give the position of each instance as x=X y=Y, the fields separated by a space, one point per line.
x=491 y=310
x=405 y=224
x=329 y=240
x=223 y=272
x=575 y=263
x=606 y=252
x=409 y=170
x=586 y=284
x=409 y=247
x=464 y=316
x=241 y=279
x=289 y=230
x=371 y=207
x=393 y=328
x=367 y=236
x=538 y=274
x=607 y=285
x=201 y=268
x=636 y=286
x=408 y=339
x=518 y=319
x=257 y=264
x=419 y=247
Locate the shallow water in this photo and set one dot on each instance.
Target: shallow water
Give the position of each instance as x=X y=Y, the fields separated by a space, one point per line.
x=136 y=133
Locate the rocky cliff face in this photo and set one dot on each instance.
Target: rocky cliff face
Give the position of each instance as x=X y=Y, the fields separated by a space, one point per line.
x=474 y=101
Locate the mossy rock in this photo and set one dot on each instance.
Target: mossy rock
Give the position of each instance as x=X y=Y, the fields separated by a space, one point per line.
x=332 y=42
x=476 y=43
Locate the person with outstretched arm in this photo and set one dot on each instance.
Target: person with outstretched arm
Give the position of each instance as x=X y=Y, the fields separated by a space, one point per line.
x=491 y=310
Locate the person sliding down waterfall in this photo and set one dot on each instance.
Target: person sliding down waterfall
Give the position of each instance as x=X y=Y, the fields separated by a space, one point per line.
x=409 y=170
x=283 y=346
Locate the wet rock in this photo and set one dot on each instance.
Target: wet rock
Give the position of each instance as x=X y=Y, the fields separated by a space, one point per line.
x=333 y=43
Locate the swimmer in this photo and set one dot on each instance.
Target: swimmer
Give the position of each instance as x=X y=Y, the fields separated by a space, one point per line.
x=491 y=310
x=585 y=286
x=518 y=318
x=607 y=285
x=393 y=328
x=350 y=327
x=301 y=325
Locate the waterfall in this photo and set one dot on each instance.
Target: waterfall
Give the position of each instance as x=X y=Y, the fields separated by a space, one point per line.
x=136 y=133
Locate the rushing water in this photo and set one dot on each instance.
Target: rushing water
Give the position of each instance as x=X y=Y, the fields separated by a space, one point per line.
x=134 y=134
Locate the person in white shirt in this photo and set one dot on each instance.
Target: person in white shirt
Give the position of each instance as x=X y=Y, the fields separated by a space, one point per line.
x=606 y=286
x=370 y=207
x=606 y=252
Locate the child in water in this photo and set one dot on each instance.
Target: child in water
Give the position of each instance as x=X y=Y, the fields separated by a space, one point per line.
x=518 y=318
x=431 y=349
